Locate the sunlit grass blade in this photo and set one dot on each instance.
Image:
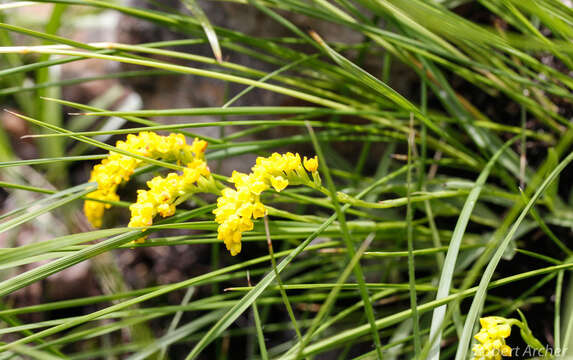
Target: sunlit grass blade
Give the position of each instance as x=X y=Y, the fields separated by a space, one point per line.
x=207 y=27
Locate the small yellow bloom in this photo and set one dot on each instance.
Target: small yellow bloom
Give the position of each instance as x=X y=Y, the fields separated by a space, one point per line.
x=198 y=147
x=279 y=183
x=311 y=164
x=492 y=336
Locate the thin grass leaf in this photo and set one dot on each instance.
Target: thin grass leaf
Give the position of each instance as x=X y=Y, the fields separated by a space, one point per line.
x=358 y=272
x=99 y=143
x=410 y=241
x=30 y=250
x=452 y=254
x=41 y=272
x=207 y=27
x=34 y=213
x=49 y=160
x=330 y=300
x=32 y=353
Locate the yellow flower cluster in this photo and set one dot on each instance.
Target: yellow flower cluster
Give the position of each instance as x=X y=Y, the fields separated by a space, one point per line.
x=164 y=191
x=117 y=168
x=236 y=208
x=491 y=337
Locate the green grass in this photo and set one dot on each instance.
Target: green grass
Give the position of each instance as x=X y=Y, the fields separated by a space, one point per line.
x=444 y=137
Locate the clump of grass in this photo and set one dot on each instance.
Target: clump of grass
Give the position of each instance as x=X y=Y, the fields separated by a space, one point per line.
x=440 y=205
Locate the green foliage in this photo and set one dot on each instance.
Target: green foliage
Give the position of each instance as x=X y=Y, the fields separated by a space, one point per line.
x=444 y=134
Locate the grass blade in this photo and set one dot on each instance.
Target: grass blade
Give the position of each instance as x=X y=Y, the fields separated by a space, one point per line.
x=207 y=27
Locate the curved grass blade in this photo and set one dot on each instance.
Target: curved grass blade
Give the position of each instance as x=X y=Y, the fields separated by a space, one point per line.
x=41 y=272
x=452 y=254
x=26 y=251
x=207 y=27
x=49 y=160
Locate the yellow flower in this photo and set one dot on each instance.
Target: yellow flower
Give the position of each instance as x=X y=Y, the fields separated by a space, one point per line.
x=279 y=183
x=236 y=208
x=118 y=168
x=198 y=148
x=311 y=164
x=491 y=338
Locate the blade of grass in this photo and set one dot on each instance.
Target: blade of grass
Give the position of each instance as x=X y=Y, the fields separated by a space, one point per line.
x=46 y=161
x=207 y=27
x=30 y=250
x=177 y=335
x=557 y=315
x=258 y=326
x=99 y=143
x=137 y=120
x=358 y=273
x=17 y=221
x=410 y=241
x=284 y=295
x=51 y=112
x=433 y=346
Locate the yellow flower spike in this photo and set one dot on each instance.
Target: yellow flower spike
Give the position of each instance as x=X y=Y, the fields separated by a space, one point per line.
x=246 y=224
x=236 y=208
x=239 y=179
x=292 y=161
x=94 y=212
x=311 y=165
x=489 y=322
x=166 y=210
x=162 y=193
x=257 y=186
